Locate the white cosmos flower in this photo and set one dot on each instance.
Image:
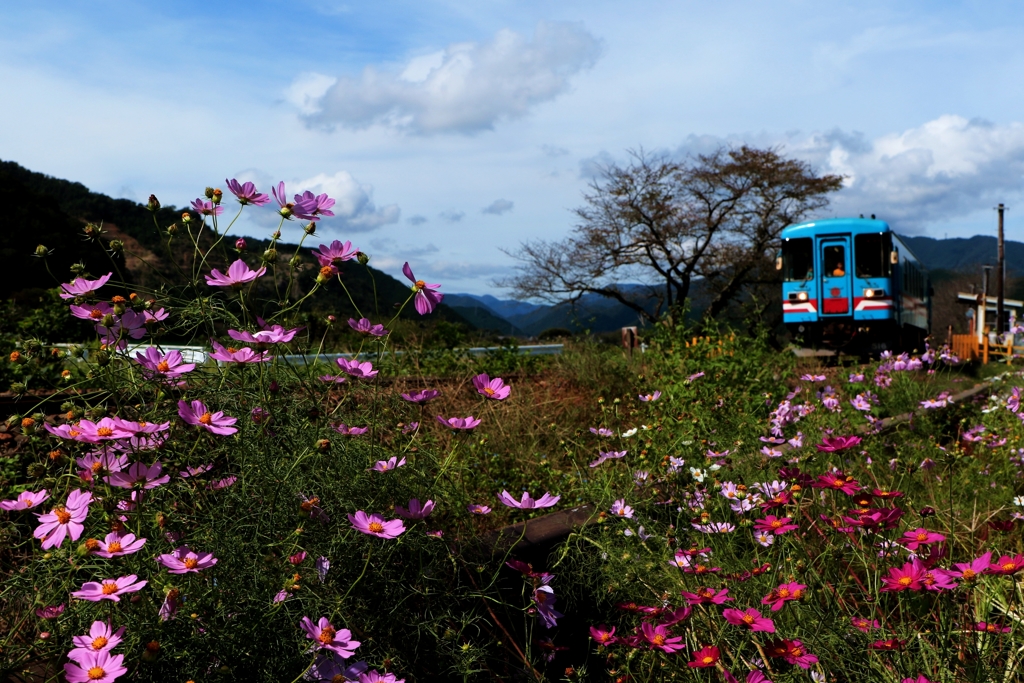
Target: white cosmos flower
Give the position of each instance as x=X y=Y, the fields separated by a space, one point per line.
x=628 y=433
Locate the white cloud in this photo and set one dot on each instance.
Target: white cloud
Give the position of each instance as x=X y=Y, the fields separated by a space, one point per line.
x=466 y=88
x=416 y=220
x=498 y=207
x=452 y=216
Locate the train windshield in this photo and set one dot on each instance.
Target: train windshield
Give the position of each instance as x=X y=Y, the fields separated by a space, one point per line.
x=798 y=259
x=872 y=254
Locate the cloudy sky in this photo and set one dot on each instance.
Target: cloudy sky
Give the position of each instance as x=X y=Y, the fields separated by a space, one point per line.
x=449 y=130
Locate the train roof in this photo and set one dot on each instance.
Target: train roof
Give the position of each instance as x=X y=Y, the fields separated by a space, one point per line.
x=827 y=226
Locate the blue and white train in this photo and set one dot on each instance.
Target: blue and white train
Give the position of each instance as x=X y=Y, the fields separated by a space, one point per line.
x=852 y=284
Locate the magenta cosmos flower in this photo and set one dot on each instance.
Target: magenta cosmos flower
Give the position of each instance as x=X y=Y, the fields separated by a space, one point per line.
x=387 y=465
x=919 y=537
x=839 y=443
x=375 y=525
x=837 y=481
x=421 y=396
x=346 y=430
x=246 y=193
x=242 y=355
x=238 y=274
x=415 y=509
x=776 y=525
x=325 y=636
x=427 y=296
x=907 y=577
x=464 y=423
x=140 y=475
x=374 y=677
x=704 y=657
x=783 y=594
x=93 y=312
x=270 y=334
x=527 y=502
x=64 y=520
x=491 y=388
x=109 y=589
x=310 y=207
x=101 y=637
x=647 y=398
x=354 y=368
x=335 y=254
x=116 y=545
x=156 y=364
x=81 y=287
x=970 y=571
x=205 y=207
x=364 y=326
x=26 y=500
x=196 y=413
x=707 y=596
x=607 y=455
x=749 y=618
x=184 y=561
x=659 y=638
x=478 y=509
x=95 y=667
x=1006 y=565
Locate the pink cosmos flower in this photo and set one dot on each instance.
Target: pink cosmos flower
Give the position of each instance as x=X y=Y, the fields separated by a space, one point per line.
x=491 y=388
x=706 y=596
x=93 y=312
x=184 y=561
x=919 y=537
x=837 y=481
x=602 y=431
x=783 y=594
x=288 y=209
x=238 y=274
x=985 y=627
x=206 y=207
x=415 y=510
x=1006 y=565
x=95 y=667
x=333 y=379
x=607 y=455
x=82 y=287
x=646 y=398
x=139 y=475
x=839 y=443
x=326 y=637
x=139 y=428
x=463 y=423
x=246 y=193
x=526 y=502
x=813 y=378
x=410 y=428
x=921 y=678
x=478 y=509
x=387 y=465
x=364 y=326
x=353 y=367
x=195 y=471
x=421 y=396
x=793 y=651
x=620 y=509
x=64 y=520
x=50 y=611
x=603 y=635
x=268 y=334
x=704 y=657
x=222 y=483
x=116 y=545
x=26 y=500
x=195 y=413
x=659 y=638
x=750 y=618
x=109 y=589
x=374 y=677
x=776 y=525
x=310 y=207
x=326 y=669
x=336 y=254
x=427 y=296
x=101 y=637
x=242 y=355
x=865 y=625
x=907 y=577
x=345 y=430
x=970 y=571
x=375 y=525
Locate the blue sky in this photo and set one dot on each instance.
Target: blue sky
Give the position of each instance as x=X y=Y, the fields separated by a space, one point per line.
x=448 y=131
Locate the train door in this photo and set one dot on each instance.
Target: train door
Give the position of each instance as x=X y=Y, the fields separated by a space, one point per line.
x=836 y=277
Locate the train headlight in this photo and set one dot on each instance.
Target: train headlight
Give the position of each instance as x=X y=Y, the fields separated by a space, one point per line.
x=798 y=296
x=874 y=293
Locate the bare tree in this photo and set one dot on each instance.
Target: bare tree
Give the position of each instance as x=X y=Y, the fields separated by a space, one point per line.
x=665 y=223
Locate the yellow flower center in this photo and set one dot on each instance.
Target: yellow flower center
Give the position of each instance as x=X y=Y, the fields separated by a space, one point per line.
x=62 y=515
x=326 y=272
x=1009 y=566
x=96 y=466
x=190 y=562
x=206 y=418
x=232 y=349
x=339 y=678
x=95 y=314
x=92 y=544
x=104 y=431
x=658 y=639
x=968 y=574
x=489 y=391
x=99 y=643
x=109 y=587
x=73 y=433
x=921 y=538
x=605 y=637
x=376 y=527
x=797 y=594
x=748 y=619
x=783 y=592
x=326 y=636
x=776 y=524
x=420 y=284
x=707 y=659
x=163 y=366
x=905 y=581
x=114 y=547
x=96 y=673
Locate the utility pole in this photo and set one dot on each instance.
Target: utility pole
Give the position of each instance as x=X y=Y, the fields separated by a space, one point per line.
x=1001 y=274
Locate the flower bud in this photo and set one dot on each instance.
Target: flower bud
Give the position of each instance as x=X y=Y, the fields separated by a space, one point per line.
x=172 y=229
x=270 y=255
x=108 y=320
x=160 y=519
x=44 y=635
x=274 y=387
x=151 y=652
x=16 y=357
x=18 y=388
x=116 y=246
x=331 y=319
x=309 y=228
x=102 y=358
x=91 y=230
x=77 y=268
x=42 y=251
x=362 y=258
x=118 y=310
x=276 y=235
x=240 y=244
x=323 y=445
x=186 y=217
x=153 y=204
x=295 y=261
x=927 y=511
x=208 y=193
x=217 y=195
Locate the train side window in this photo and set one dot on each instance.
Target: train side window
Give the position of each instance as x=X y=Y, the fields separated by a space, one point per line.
x=871 y=253
x=798 y=259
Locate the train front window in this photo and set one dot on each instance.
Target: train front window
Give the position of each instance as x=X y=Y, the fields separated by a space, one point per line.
x=798 y=259
x=834 y=261
x=871 y=253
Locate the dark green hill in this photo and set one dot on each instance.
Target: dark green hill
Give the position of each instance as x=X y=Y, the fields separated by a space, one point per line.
x=965 y=254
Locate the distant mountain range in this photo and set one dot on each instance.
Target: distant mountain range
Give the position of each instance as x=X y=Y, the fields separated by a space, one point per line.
x=965 y=254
